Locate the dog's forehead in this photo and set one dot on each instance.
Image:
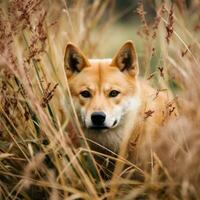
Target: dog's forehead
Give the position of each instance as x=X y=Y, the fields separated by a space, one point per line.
x=101 y=75
x=100 y=71
x=105 y=72
x=104 y=61
x=102 y=68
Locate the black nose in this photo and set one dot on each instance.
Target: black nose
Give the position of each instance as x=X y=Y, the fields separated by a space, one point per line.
x=98 y=118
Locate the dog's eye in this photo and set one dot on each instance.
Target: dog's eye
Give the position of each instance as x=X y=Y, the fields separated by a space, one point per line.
x=85 y=94
x=113 y=93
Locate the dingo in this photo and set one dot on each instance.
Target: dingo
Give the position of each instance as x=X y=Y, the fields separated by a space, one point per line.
x=109 y=96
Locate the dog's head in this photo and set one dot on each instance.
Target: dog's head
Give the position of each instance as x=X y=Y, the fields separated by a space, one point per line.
x=103 y=90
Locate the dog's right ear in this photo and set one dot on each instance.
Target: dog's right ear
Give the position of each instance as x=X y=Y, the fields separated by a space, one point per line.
x=126 y=59
x=74 y=60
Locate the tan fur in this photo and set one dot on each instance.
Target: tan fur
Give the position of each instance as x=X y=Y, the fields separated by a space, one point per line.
x=130 y=108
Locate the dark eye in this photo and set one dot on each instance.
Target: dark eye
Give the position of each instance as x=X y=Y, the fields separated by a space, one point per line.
x=85 y=94
x=113 y=93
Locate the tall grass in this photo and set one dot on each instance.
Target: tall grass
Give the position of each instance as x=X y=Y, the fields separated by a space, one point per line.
x=43 y=151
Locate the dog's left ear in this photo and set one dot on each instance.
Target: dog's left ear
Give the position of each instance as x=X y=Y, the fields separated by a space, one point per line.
x=126 y=59
x=74 y=60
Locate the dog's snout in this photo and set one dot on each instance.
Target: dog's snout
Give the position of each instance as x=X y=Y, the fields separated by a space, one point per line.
x=98 y=118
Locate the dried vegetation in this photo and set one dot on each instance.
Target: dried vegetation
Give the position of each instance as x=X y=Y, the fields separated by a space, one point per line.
x=41 y=154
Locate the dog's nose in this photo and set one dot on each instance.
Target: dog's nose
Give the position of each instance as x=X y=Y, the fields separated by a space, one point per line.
x=98 y=118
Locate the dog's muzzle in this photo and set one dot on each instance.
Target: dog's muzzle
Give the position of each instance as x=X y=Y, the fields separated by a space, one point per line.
x=98 y=119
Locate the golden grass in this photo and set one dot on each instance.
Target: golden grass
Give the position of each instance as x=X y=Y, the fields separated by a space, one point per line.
x=41 y=154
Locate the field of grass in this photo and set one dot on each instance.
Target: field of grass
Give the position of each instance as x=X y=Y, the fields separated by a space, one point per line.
x=43 y=151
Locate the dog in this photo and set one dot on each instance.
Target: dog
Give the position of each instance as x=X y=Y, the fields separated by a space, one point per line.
x=111 y=100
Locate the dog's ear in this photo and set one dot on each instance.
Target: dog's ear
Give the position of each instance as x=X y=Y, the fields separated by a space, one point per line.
x=74 y=60
x=126 y=59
